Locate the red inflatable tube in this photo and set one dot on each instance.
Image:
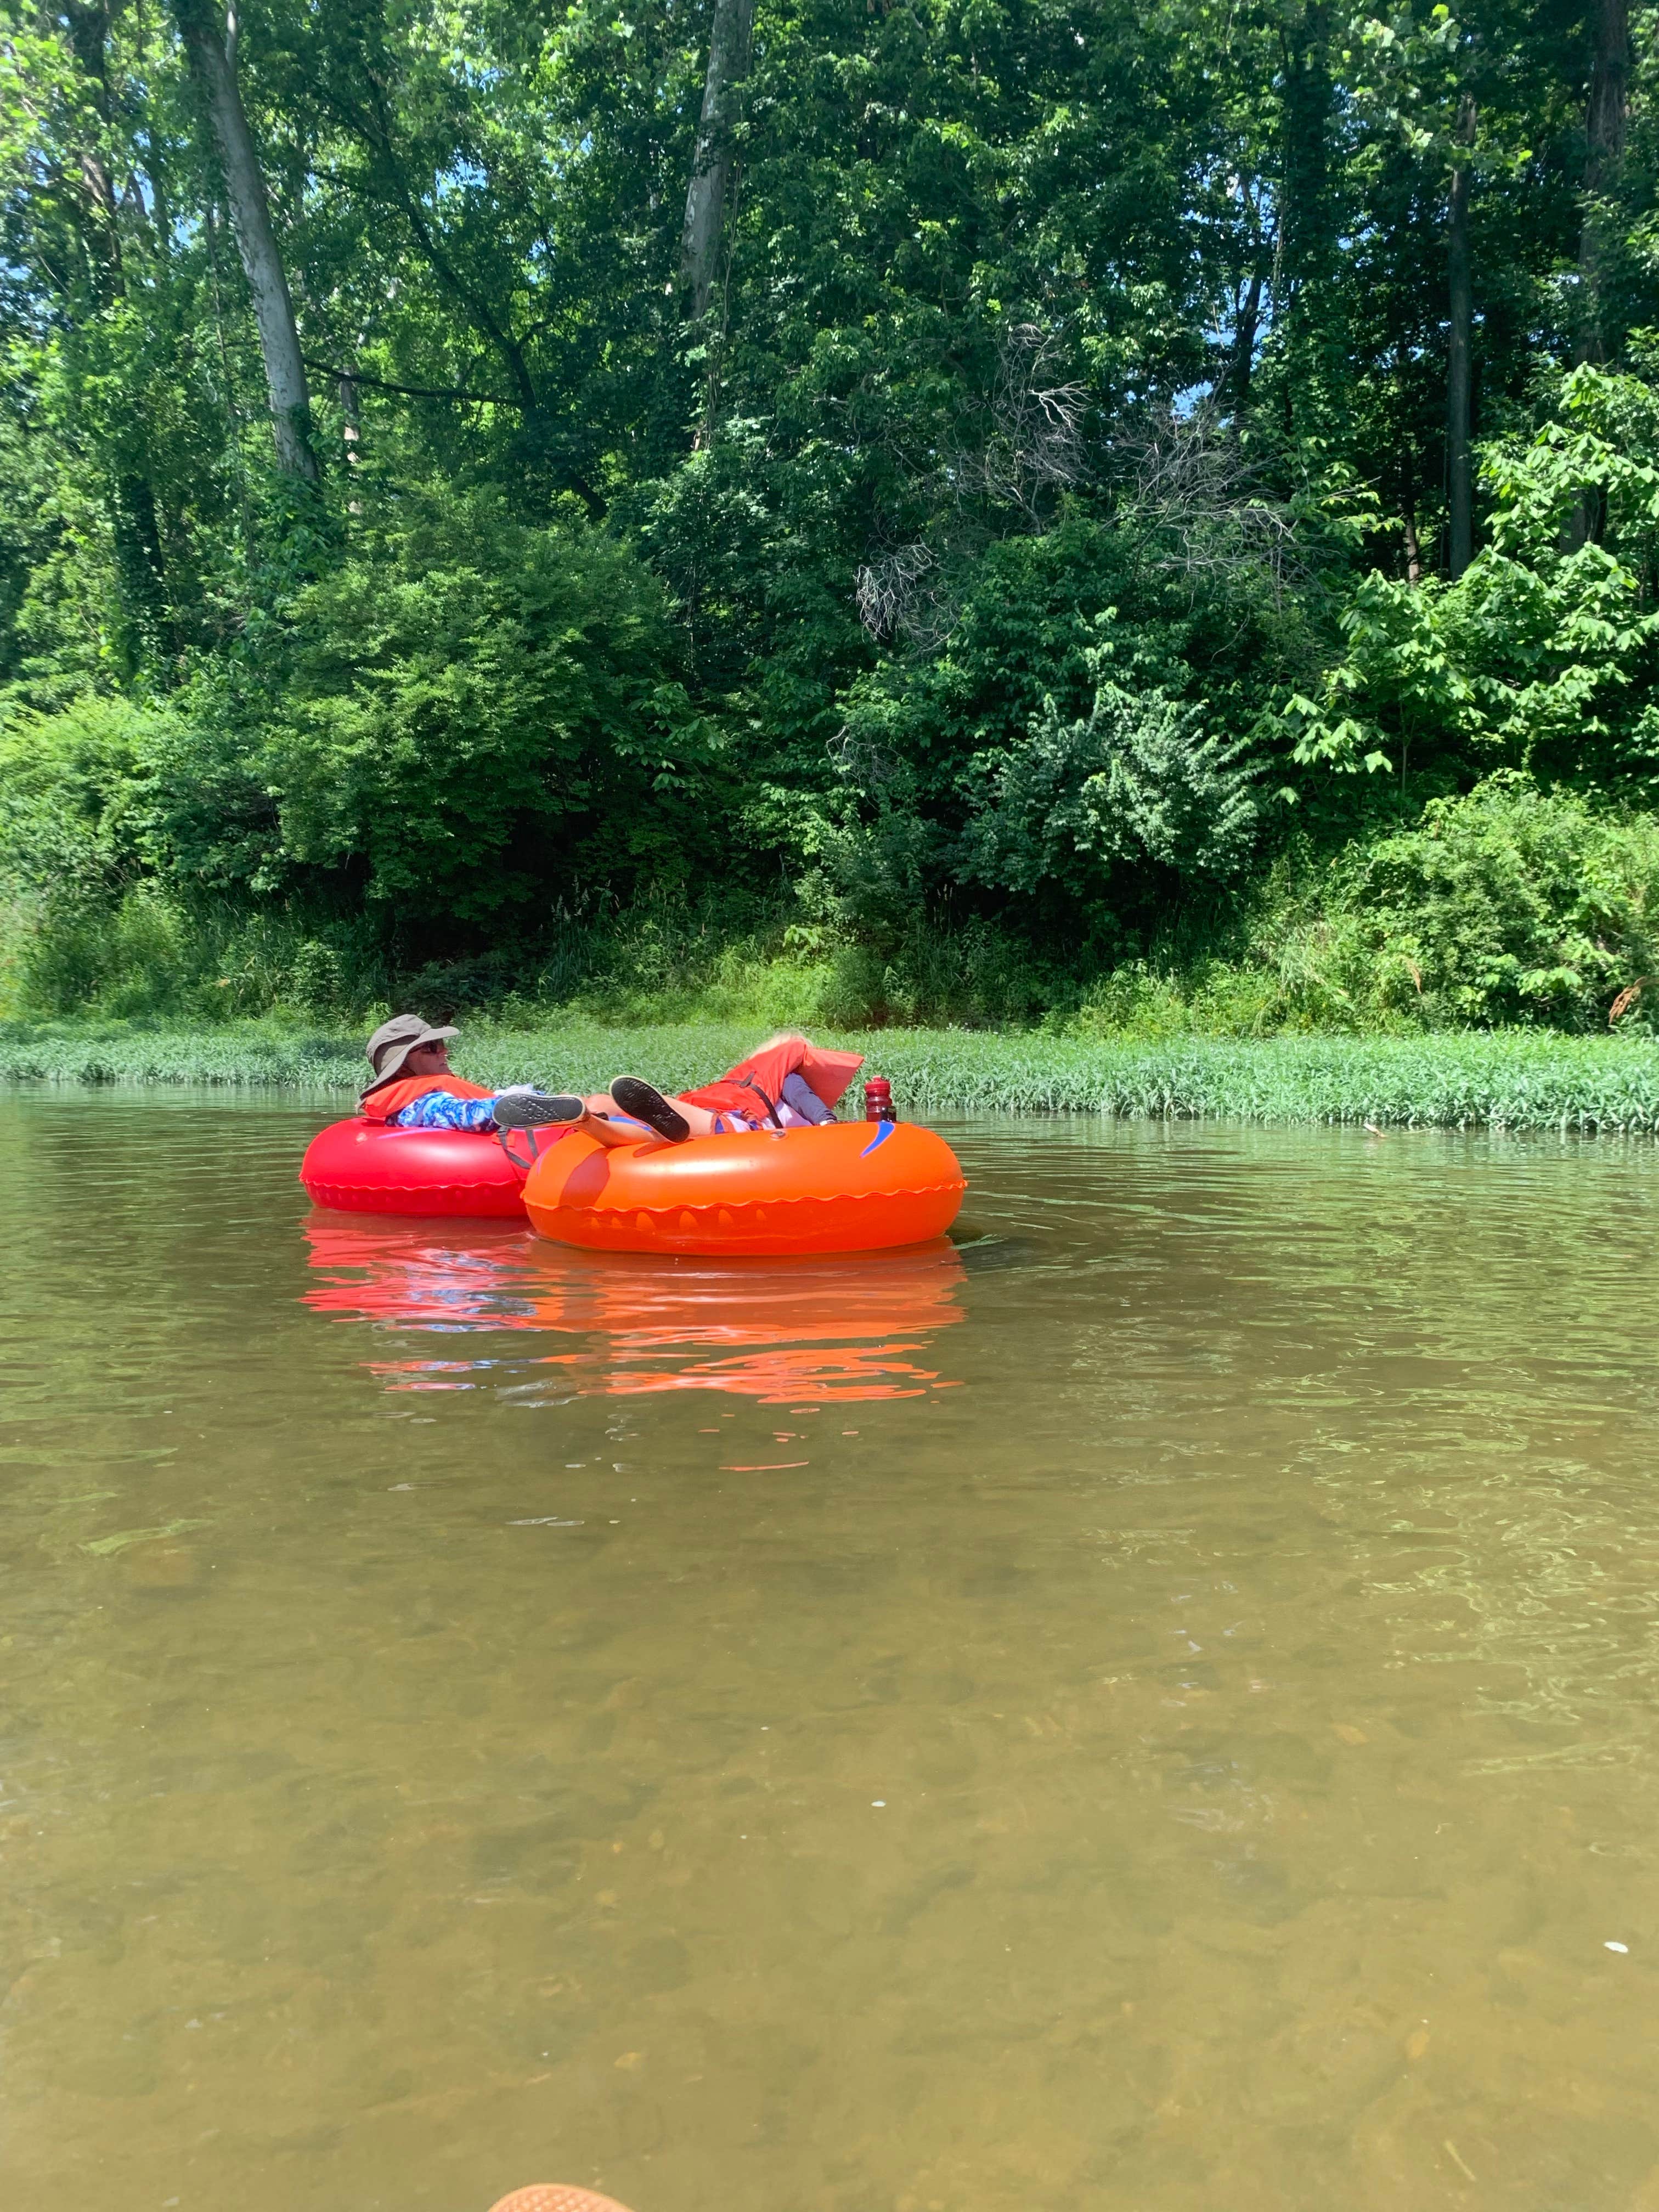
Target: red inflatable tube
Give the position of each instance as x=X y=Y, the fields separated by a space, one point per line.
x=363 y=1167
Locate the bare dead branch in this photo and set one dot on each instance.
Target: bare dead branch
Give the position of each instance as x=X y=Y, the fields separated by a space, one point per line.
x=1199 y=500
x=892 y=593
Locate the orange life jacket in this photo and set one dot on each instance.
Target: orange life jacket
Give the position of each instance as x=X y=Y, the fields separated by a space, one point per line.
x=754 y=1087
x=387 y=1099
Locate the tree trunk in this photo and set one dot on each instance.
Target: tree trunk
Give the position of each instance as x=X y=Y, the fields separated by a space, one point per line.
x=350 y=416
x=88 y=30
x=352 y=433
x=730 y=42
x=1605 y=120
x=213 y=65
x=135 y=528
x=1246 y=322
x=1306 y=237
x=1304 y=244
x=1460 y=474
x=1409 y=473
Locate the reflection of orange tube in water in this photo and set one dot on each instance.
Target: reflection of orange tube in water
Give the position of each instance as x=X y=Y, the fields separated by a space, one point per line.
x=841 y=1327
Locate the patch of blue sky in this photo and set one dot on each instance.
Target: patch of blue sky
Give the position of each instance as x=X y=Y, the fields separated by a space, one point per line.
x=461 y=176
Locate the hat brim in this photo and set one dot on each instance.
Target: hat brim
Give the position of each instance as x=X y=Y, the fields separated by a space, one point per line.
x=393 y=1067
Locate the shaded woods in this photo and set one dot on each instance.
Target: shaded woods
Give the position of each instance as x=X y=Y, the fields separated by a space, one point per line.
x=1142 y=518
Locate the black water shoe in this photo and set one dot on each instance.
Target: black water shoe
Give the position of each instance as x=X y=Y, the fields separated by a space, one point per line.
x=642 y=1101
x=535 y=1110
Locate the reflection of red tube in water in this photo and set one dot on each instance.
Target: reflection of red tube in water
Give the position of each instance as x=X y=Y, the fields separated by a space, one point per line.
x=834 y=1326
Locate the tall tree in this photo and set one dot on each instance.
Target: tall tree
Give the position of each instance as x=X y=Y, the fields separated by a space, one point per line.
x=1460 y=348
x=1306 y=232
x=1606 y=117
x=731 y=41
x=68 y=159
x=212 y=54
x=134 y=526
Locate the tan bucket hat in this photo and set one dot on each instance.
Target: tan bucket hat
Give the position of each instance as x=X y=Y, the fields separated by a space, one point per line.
x=392 y=1042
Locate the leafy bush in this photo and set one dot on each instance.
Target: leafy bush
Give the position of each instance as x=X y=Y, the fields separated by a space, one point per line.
x=1135 y=783
x=1513 y=904
x=460 y=724
x=143 y=955
x=71 y=784
x=1544 y=654
x=70 y=858
x=1053 y=739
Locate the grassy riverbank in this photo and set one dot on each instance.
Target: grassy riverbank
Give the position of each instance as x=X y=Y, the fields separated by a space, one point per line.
x=1510 y=1080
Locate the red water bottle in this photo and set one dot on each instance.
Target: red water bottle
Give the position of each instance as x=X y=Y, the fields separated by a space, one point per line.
x=879 y=1100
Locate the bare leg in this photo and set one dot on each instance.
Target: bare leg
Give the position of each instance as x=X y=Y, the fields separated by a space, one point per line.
x=609 y=1123
x=622 y=1131
x=703 y=1122
x=602 y=1123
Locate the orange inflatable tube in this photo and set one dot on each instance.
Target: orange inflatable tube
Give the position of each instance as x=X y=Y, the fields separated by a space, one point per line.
x=557 y=2196
x=847 y=1187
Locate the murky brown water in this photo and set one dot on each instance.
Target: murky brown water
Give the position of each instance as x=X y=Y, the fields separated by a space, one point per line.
x=1154 y=1708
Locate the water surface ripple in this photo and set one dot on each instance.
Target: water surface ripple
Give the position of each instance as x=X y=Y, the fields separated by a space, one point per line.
x=1152 y=1705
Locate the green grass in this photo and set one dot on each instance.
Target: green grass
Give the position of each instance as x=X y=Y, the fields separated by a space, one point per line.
x=1508 y=1079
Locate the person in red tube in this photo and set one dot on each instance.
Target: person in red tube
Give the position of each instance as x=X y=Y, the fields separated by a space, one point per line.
x=788 y=1083
x=413 y=1087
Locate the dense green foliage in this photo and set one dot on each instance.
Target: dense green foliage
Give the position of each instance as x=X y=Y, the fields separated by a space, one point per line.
x=1144 y=518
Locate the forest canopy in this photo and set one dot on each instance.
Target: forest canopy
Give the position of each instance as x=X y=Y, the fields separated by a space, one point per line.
x=964 y=511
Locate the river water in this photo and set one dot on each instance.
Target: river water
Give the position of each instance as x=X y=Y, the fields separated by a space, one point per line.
x=1152 y=1706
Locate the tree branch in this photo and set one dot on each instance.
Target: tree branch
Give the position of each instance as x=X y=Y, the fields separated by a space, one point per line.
x=408 y=391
